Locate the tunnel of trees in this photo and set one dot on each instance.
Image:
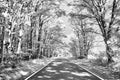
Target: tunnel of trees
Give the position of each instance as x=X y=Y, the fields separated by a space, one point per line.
x=26 y=32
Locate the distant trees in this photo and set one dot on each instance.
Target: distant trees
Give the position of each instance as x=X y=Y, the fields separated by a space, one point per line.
x=55 y=37
x=84 y=34
x=97 y=12
x=74 y=48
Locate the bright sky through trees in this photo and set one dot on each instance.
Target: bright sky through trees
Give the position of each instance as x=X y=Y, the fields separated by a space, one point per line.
x=66 y=24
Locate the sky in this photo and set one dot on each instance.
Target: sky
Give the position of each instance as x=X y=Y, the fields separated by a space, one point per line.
x=65 y=20
x=67 y=28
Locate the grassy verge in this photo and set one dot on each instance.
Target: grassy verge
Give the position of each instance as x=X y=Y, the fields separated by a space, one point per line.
x=23 y=70
x=103 y=71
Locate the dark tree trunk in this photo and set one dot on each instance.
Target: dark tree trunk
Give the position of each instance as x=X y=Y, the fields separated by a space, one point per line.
x=108 y=51
x=39 y=37
x=31 y=32
x=41 y=52
x=30 y=42
x=2 y=44
x=84 y=39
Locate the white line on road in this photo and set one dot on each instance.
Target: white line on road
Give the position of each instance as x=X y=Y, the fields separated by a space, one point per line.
x=37 y=71
x=90 y=72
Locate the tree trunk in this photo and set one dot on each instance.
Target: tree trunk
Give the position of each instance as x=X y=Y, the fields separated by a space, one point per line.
x=19 y=47
x=79 y=49
x=39 y=39
x=84 y=43
x=30 y=43
x=44 y=51
x=2 y=45
x=39 y=36
x=20 y=41
x=108 y=51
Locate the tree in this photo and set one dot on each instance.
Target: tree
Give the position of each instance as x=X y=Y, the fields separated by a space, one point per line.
x=25 y=33
x=98 y=11
x=2 y=29
x=84 y=35
x=74 y=47
x=54 y=38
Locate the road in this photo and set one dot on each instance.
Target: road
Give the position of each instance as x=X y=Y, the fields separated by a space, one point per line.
x=62 y=69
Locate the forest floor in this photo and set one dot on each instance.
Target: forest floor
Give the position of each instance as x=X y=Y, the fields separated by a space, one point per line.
x=24 y=69
x=103 y=71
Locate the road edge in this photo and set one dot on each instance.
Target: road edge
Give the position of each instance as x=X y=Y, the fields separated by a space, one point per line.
x=90 y=71
x=38 y=70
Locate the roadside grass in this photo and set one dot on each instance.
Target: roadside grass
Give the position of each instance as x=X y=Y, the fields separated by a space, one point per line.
x=106 y=72
x=23 y=69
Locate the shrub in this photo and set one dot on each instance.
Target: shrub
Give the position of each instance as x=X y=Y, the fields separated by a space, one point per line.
x=101 y=60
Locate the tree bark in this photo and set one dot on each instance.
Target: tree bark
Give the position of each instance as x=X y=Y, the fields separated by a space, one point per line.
x=39 y=36
x=108 y=51
x=30 y=43
x=19 y=47
x=2 y=45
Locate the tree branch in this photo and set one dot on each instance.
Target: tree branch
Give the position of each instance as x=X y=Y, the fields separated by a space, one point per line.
x=112 y=17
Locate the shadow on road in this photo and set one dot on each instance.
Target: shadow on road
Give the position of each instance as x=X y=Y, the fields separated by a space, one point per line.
x=63 y=70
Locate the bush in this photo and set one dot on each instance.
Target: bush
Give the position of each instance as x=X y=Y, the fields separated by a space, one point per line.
x=115 y=69
x=101 y=60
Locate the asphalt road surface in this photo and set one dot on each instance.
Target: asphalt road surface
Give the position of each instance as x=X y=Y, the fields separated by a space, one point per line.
x=62 y=69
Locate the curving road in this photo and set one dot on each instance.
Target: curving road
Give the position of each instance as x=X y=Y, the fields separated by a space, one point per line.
x=62 y=69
